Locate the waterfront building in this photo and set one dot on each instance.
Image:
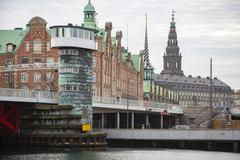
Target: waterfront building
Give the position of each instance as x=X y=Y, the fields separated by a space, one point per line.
x=26 y=58
x=192 y=91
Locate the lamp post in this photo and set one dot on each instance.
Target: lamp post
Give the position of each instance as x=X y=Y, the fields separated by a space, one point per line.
x=127 y=104
x=210 y=95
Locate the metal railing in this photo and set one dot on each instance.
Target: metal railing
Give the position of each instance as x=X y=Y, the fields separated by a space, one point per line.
x=23 y=93
x=40 y=96
x=138 y=103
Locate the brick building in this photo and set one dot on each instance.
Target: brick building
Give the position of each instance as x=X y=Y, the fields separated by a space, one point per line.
x=26 y=58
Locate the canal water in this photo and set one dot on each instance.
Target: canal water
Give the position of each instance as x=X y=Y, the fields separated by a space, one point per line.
x=118 y=154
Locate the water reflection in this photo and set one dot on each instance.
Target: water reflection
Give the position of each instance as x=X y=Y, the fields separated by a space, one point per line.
x=115 y=154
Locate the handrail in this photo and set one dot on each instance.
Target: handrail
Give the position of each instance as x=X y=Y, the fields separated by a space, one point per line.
x=23 y=93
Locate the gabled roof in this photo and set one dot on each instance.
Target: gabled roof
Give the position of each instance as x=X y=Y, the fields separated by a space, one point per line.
x=11 y=36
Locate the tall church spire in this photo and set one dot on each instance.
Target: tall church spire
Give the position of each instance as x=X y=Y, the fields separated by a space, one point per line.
x=172 y=58
x=146 y=54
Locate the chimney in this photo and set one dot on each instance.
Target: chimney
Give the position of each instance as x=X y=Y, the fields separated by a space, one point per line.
x=108 y=26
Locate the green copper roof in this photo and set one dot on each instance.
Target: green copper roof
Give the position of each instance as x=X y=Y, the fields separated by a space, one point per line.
x=136 y=59
x=11 y=36
x=90 y=24
x=89 y=7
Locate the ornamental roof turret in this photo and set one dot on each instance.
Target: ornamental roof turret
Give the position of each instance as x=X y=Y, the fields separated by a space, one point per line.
x=89 y=16
x=89 y=7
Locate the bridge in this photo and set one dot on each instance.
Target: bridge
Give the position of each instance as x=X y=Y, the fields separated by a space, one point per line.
x=108 y=112
x=204 y=139
x=174 y=134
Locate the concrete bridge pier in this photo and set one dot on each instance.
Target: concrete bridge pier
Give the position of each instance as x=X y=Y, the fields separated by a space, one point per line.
x=181 y=144
x=118 y=120
x=132 y=126
x=103 y=118
x=235 y=147
x=161 y=122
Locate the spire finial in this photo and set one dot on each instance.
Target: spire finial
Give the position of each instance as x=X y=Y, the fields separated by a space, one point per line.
x=89 y=1
x=146 y=20
x=173 y=13
x=146 y=54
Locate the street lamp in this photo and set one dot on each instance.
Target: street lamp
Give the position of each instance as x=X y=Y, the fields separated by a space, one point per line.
x=127 y=104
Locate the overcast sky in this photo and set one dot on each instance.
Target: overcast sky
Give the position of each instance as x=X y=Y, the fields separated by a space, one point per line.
x=205 y=28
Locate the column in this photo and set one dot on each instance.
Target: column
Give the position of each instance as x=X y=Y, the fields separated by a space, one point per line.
x=235 y=147
x=103 y=120
x=118 y=120
x=132 y=120
x=147 y=121
x=161 y=121
x=176 y=119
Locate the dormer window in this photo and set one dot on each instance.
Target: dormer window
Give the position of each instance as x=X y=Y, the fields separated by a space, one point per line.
x=10 y=47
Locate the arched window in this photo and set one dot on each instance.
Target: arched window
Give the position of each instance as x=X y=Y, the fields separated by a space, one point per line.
x=168 y=65
x=177 y=65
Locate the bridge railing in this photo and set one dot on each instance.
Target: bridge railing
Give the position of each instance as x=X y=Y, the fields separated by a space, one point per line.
x=53 y=97
x=23 y=93
x=138 y=103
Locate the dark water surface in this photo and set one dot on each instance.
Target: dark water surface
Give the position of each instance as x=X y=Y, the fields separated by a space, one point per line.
x=117 y=154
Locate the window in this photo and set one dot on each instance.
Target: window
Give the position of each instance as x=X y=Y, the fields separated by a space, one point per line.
x=49 y=76
x=86 y=35
x=25 y=60
x=81 y=33
x=93 y=91
x=7 y=78
x=94 y=77
x=37 y=77
x=50 y=62
x=177 y=65
x=94 y=62
x=24 y=77
x=37 y=45
x=75 y=32
x=37 y=62
x=48 y=46
x=168 y=65
x=9 y=48
x=8 y=64
x=27 y=46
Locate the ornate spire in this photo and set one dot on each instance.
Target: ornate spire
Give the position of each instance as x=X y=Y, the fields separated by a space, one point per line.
x=172 y=57
x=173 y=22
x=146 y=54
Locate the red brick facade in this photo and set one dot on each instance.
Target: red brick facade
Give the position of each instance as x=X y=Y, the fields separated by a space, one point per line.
x=31 y=60
x=114 y=76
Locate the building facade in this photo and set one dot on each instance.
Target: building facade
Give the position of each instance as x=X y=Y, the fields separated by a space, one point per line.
x=192 y=91
x=26 y=58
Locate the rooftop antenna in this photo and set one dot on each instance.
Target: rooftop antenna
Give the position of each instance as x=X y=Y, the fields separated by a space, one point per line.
x=127 y=36
x=210 y=96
